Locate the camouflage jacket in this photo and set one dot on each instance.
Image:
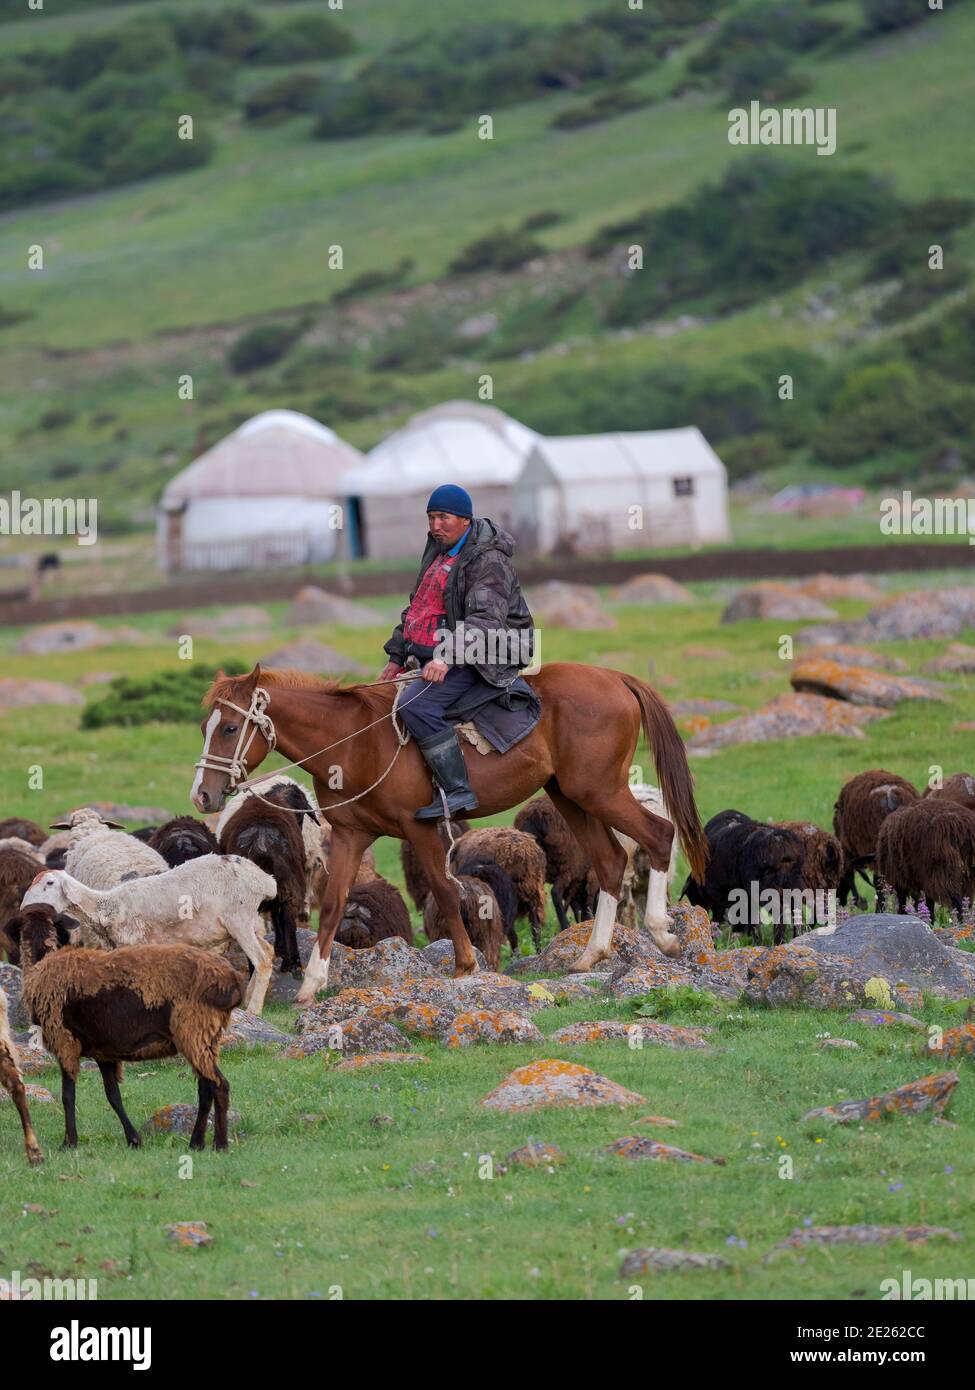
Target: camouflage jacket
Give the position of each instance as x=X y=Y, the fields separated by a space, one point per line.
x=484 y=597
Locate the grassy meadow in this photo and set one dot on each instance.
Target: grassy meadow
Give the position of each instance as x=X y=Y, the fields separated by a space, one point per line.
x=320 y=1191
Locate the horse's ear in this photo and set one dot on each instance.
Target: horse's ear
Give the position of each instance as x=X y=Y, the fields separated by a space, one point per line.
x=256 y=673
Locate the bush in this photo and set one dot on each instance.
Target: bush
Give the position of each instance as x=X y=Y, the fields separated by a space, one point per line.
x=285 y=96
x=498 y=250
x=261 y=346
x=603 y=107
x=762 y=74
x=57 y=418
x=170 y=697
x=547 y=217
x=882 y=15
x=753 y=453
x=371 y=280
x=302 y=39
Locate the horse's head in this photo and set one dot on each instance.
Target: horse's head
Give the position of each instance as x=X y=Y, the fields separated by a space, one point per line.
x=237 y=737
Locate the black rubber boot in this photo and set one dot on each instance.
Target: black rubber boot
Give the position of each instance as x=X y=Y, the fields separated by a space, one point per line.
x=445 y=760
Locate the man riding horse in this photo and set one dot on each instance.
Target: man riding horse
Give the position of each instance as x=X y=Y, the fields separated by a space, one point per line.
x=465 y=614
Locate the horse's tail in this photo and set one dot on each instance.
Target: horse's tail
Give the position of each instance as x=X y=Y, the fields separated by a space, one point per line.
x=673 y=771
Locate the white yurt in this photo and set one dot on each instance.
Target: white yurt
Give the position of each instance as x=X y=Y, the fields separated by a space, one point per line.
x=265 y=495
x=627 y=491
x=476 y=446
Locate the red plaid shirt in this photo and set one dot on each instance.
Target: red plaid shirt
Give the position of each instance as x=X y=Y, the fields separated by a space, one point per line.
x=428 y=609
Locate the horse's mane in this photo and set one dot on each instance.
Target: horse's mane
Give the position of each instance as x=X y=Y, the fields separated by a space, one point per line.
x=239 y=688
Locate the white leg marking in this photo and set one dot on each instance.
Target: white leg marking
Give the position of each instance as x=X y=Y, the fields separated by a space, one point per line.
x=655 y=916
x=316 y=978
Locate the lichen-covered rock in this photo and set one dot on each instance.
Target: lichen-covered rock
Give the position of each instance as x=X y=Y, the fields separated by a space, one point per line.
x=553 y=1082
x=886 y=1018
x=535 y=1155
x=569 y=988
x=357 y=1035
x=846 y=654
x=189 y=1234
x=692 y=927
x=180 y=1119
x=34 y=1093
x=860 y=686
x=652 y=588
x=658 y=1260
x=928 y=1093
x=11 y=983
x=954 y=1042
x=439 y=955
x=634 y=1034
x=390 y=962
x=376 y=1059
x=839 y=1043
x=959 y=659
x=630 y=947
x=770 y=600
x=247 y=1030
x=491 y=1026
x=829 y=587
x=423 y=1020
x=639 y=1146
x=626 y=983
x=863 y=1234
x=790 y=715
x=32 y=1057
x=489 y=991
x=923 y=613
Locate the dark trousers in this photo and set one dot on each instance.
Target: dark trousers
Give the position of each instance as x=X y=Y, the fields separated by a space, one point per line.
x=421 y=707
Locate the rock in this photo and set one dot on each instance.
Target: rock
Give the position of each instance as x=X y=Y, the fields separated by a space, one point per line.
x=180 y=1119
x=641 y=979
x=32 y=1057
x=955 y=1042
x=681 y=708
x=313 y=605
x=635 y=1034
x=556 y=604
x=362 y=1034
x=845 y=654
x=553 y=1082
x=804 y=1236
x=248 y=1030
x=657 y=1120
x=923 y=613
x=799 y=974
x=390 y=962
x=492 y=1026
x=630 y=947
x=768 y=600
x=830 y=587
x=11 y=982
x=656 y=1260
x=839 y=1042
x=439 y=955
x=376 y=1059
x=928 y=1093
x=902 y=950
x=639 y=1146
x=306 y=654
x=227 y=620
x=570 y=988
x=61 y=637
x=792 y=715
x=189 y=1234
x=98 y=677
x=959 y=658
x=652 y=588
x=39 y=1094
x=535 y=1155
x=884 y=1018
x=817 y=676
x=424 y=1020
x=19 y=693
x=477 y=326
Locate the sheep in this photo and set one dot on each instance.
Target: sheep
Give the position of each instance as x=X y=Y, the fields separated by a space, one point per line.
x=54 y=850
x=100 y=855
x=522 y=860
x=927 y=849
x=861 y=808
x=574 y=883
x=269 y=837
x=23 y=846
x=208 y=902
x=12 y=1082
x=751 y=859
x=482 y=916
x=23 y=829
x=17 y=872
x=823 y=862
x=145 y=833
x=417 y=884
x=960 y=789
x=373 y=912
x=183 y=838
x=136 y=1004
x=301 y=804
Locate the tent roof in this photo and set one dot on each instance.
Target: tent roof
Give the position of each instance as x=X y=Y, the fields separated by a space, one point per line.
x=603 y=457
x=278 y=453
x=457 y=442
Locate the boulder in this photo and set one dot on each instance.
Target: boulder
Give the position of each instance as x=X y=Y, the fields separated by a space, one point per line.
x=552 y=1082
x=928 y=1093
x=768 y=600
x=846 y=654
x=11 y=982
x=248 y=1030
x=860 y=686
x=923 y=613
x=306 y=654
x=959 y=658
x=180 y=1119
x=569 y=989
x=361 y=1034
x=639 y=1146
x=630 y=947
x=829 y=587
x=556 y=604
x=19 y=693
x=658 y=1260
x=863 y=1234
x=793 y=715
x=439 y=955
x=900 y=949
x=493 y=1026
x=390 y=962
x=652 y=588
x=635 y=1034
x=313 y=605
x=62 y=637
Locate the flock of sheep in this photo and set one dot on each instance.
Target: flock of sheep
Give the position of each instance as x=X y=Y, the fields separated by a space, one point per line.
x=150 y=916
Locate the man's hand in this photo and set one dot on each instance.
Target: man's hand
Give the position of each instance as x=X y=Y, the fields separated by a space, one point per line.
x=389 y=671
x=435 y=670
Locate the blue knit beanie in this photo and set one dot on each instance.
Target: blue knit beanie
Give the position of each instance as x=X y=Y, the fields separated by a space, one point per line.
x=450 y=498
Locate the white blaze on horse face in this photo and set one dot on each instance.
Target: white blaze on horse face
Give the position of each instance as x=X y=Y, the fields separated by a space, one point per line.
x=316 y=978
x=212 y=723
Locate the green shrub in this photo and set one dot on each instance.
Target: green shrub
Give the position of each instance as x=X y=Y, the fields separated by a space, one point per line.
x=371 y=280
x=302 y=39
x=171 y=697
x=285 y=96
x=881 y=15
x=753 y=453
x=547 y=217
x=261 y=346
x=603 y=107
x=497 y=250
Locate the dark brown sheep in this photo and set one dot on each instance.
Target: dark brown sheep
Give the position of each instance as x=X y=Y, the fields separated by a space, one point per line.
x=574 y=883
x=928 y=849
x=27 y=830
x=17 y=872
x=374 y=911
x=137 y=1003
x=960 y=789
x=270 y=838
x=481 y=914
x=183 y=838
x=522 y=860
x=822 y=866
x=415 y=879
x=861 y=808
x=747 y=858
x=12 y=1082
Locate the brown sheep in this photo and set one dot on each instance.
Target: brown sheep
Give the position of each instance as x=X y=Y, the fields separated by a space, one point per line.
x=960 y=789
x=373 y=912
x=481 y=914
x=137 y=1003
x=17 y=872
x=417 y=884
x=861 y=808
x=12 y=1082
x=928 y=849
x=27 y=830
x=183 y=838
x=522 y=860
x=822 y=866
x=270 y=838
x=573 y=880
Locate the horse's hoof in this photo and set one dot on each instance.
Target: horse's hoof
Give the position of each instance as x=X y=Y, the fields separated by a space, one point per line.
x=585 y=963
x=669 y=945
x=34 y=1156
x=460 y=971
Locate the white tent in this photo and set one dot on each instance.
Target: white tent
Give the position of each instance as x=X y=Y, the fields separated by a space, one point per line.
x=266 y=494
x=622 y=491
x=476 y=446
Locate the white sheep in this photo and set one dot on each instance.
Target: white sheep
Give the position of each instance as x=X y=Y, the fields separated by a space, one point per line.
x=100 y=855
x=207 y=902
x=311 y=825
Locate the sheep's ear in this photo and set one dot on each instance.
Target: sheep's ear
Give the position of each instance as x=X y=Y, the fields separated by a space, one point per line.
x=64 y=926
x=113 y=825
x=59 y=825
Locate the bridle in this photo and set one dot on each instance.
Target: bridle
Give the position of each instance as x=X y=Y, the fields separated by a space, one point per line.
x=255 y=720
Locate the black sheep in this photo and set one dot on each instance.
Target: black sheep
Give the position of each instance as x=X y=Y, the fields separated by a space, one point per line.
x=270 y=838
x=183 y=838
x=742 y=853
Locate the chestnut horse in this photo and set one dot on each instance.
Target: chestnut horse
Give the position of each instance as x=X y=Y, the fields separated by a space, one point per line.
x=580 y=752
